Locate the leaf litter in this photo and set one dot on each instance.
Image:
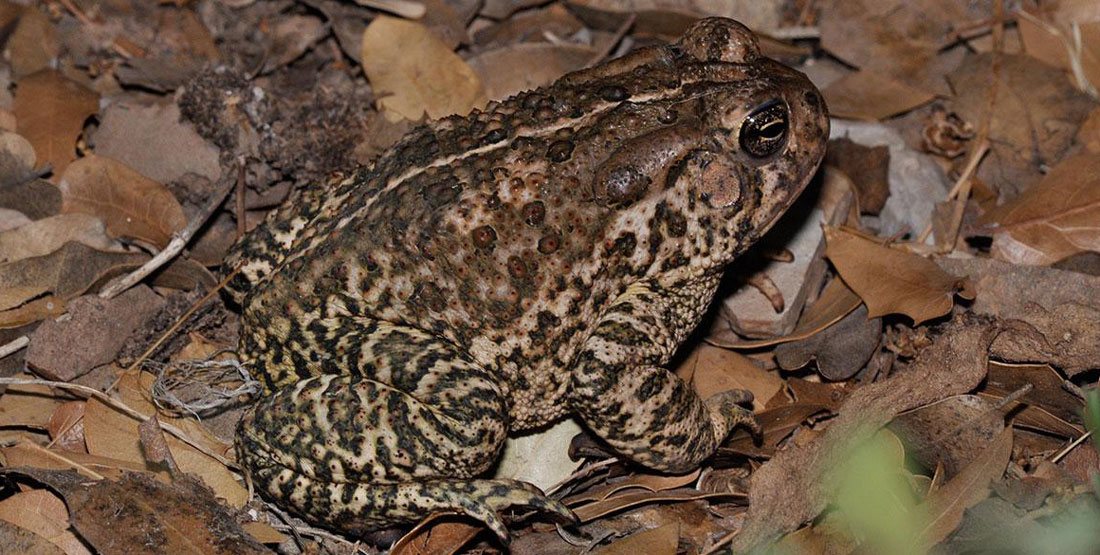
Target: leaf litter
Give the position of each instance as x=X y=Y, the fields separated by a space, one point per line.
x=867 y=317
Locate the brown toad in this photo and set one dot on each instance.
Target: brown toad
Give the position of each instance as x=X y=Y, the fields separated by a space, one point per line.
x=496 y=272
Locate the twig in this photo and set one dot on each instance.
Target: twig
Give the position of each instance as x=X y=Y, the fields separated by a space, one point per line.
x=619 y=34
x=961 y=191
x=77 y=12
x=175 y=246
x=14 y=345
x=61 y=458
x=1070 y=447
x=119 y=405
x=190 y=311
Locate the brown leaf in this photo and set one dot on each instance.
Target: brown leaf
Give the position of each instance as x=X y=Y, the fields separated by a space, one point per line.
x=36 y=198
x=131 y=204
x=51 y=110
x=777 y=423
x=44 y=236
x=34 y=43
x=592 y=511
x=651 y=482
x=662 y=540
x=520 y=67
x=841 y=350
x=413 y=73
x=438 y=534
x=1032 y=125
x=66 y=272
x=28 y=405
x=44 y=514
x=950 y=431
x=110 y=433
x=867 y=167
x=892 y=281
x=896 y=38
x=713 y=370
x=1056 y=218
x=33 y=311
x=154 y=141
x=871 y=96
x=944 y=508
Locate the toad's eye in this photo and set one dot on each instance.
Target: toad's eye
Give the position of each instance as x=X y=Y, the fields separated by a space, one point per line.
x=765 y=130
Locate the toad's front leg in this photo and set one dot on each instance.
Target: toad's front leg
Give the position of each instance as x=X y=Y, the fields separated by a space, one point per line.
x=401 y=434
x=624 y=394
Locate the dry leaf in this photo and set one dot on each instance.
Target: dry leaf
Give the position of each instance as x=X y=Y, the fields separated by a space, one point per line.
x=1056 y=218
x=131 y=204
x=44 y=236
x=110 y=433
x=869 y=95
x=713 y=370
x=33 y=311
x=34 y=43
x=892 y=281
x=413 y=73
x=155 y=141
x=51 y=110
x=66 y=272
x=437 y=534
x=22 y=152
x=841 y=350
x=944 y=507
x=43 y=513
x=28 y=405
x=662 y=540
x=520 y=67
x=1034 y=120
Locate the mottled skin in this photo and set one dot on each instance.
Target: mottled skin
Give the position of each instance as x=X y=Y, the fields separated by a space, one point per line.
x=496 y=272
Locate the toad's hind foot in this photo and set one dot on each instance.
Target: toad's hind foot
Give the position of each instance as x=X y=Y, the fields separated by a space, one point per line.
x=727 y=412
x=484 y=499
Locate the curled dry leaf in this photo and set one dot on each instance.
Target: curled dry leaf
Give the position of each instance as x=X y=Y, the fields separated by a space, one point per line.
x=131 y=204
x=413 y=73
x=51 y=110
x=893 y=281
x=1056 y=218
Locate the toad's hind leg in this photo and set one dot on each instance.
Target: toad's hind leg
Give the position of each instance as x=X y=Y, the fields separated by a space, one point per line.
x=623 y=393
x=400 y=434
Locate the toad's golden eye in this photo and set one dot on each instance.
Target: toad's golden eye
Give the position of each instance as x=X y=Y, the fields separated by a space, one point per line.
x=764 y=131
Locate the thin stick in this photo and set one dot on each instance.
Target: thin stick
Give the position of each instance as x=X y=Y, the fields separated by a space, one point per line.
x=619 y=34
x=115 y=403
x=61 y=458
x=179 y=322
x=175 y=246
x=1070 y=447
x=14 y=345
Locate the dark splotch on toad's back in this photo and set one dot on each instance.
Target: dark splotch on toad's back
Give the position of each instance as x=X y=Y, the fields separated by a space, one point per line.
x=507 y=233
